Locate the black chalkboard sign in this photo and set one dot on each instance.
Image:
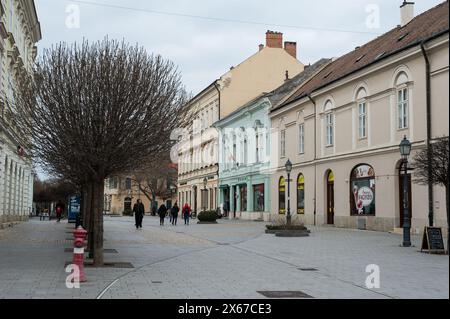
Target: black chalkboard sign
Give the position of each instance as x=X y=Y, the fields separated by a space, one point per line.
x=433 y=241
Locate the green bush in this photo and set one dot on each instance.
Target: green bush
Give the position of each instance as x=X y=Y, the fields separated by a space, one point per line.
x=207 y=216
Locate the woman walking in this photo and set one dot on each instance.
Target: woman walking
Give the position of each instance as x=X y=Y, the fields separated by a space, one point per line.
x=162 y=212
x=186 y=213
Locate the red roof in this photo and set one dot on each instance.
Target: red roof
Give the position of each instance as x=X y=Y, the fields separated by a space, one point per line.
x=425 y=26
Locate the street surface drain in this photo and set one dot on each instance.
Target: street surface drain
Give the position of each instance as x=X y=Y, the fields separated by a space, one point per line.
x=156 y=282
x=106 y=251
x=308 y=269
x=284 y=294
x=106 y=265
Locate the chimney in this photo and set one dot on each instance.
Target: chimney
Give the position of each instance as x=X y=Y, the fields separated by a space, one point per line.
x=407 y=12
x=261 y=47
x=291 y=48
x=274 y=39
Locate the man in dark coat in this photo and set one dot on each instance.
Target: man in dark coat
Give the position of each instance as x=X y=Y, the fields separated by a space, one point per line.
x=162 y=212
x=174 y=213
x=139 y=212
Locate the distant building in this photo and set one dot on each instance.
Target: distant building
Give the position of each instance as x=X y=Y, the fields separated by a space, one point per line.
x=121 y=193
x=19 y=32
x=198 y=147
x=342 y=129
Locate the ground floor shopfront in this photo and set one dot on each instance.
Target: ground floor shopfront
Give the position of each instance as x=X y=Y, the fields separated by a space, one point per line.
x=16 y=184
x=200 y=193
x=245 y=197
x=362 y=191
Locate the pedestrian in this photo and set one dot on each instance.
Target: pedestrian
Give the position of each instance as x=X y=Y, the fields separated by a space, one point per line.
x=162 y=212
x=59 y=210
x=174 y=213
x=139 y=212
x=186 y=213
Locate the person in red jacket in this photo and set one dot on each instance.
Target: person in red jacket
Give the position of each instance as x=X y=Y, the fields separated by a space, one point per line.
x=186 y=213
x=59 y=210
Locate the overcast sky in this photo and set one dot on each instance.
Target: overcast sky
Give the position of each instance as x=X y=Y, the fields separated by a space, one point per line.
x=204 y=49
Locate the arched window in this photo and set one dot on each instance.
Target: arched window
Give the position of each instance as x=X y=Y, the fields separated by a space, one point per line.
x=127 y=205
x=362 y=190
x=282 y=196
x=329 y=122
x=402 y=100
x=300 y=194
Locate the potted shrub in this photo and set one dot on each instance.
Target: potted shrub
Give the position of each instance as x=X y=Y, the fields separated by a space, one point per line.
x=280 y=228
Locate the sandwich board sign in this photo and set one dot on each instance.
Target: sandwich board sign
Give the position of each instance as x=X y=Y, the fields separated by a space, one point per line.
x=433 y=241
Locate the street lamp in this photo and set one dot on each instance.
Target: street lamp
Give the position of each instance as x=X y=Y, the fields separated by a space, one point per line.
x=288 y=166
x=405 y=151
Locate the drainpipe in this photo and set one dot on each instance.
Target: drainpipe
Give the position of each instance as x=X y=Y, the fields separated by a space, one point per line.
x=315 y=155
x=429 y=136
x=218 y=146
x=218 y=91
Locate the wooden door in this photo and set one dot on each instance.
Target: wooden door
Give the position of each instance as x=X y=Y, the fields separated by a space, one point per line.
x=330 y=199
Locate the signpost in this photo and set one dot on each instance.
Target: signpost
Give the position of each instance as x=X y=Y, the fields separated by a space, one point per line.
x=74 y=208
x=433 y=241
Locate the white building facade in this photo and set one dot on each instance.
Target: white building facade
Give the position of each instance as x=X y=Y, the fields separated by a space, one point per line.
x=19 y=32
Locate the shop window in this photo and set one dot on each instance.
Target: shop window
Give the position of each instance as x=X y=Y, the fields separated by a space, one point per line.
x=282 y=196
x=258 y=197
x=301 y=194
x=362 y=192
x=243 y=197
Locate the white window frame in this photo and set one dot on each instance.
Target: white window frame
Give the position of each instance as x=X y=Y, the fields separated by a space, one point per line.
x=362 y=119
x=283 y=143
x=329 y=121
x=402 y=108
x=301 y=137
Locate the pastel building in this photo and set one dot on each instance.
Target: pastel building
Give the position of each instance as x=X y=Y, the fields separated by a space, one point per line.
x=244 y=151
x=342 y=130
x=19 y=33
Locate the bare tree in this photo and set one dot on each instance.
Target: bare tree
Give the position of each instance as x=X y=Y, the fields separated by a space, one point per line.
x=156 y=178
x=439 y=169
x=96 y=110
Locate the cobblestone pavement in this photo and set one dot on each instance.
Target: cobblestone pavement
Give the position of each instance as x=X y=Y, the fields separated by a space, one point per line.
x=233 y=260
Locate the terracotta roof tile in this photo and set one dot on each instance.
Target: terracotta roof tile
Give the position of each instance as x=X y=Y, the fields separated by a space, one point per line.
x=422 y=27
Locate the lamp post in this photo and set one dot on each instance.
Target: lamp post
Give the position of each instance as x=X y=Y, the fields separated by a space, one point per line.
x=405 y=151
x=288 y=166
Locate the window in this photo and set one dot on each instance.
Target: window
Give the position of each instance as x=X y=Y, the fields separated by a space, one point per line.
x=301 y=194
x=258 y=197
x=243 y=196
x=330 y=129
x=283 y=143
x=282 y=196
x=362 y=111
x=128 y=183
x=362 y=192
x=113 y=183
x=245 y=152
x=402 y=108
x=257 y=147
x=301 y=134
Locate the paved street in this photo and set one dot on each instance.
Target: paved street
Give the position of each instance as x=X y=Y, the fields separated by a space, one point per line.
x=232 y=260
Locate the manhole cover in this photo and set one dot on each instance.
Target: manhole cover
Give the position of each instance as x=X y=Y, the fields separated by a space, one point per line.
x=156 y=282
x=308 y=269
x=284 y=294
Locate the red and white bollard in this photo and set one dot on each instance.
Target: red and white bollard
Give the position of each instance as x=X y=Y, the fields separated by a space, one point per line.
x=78 y=252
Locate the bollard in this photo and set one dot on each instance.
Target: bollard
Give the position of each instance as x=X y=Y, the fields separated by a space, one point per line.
x=78 y=251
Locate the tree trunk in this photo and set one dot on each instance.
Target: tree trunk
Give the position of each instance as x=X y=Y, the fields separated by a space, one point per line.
x=447 y=197
x=97 y=216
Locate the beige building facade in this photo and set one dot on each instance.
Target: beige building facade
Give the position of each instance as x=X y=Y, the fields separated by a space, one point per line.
x=122 y=193
x=19 y=33
x=197 y=147
x=343 y=128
